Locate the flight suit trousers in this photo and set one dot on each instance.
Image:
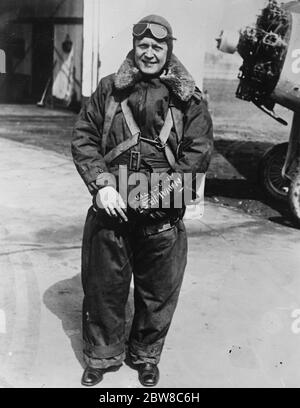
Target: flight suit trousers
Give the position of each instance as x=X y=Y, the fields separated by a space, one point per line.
x=111 y=253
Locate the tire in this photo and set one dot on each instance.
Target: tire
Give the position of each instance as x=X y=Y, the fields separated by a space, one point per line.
x=294 y=198
x=270 y=170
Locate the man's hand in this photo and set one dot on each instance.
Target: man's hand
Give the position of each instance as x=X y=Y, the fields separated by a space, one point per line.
x=110 y=200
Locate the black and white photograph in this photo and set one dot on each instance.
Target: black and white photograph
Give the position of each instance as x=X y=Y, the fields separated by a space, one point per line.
x=149 y=196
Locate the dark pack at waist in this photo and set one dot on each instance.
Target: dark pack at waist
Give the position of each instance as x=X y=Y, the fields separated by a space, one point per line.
x=140 y=222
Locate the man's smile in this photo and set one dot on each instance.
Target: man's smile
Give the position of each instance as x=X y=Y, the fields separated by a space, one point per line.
x=149 y=62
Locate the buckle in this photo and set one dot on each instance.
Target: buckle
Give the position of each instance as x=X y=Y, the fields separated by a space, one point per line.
x=158 y=228
x=135 y=161
x=158 y=144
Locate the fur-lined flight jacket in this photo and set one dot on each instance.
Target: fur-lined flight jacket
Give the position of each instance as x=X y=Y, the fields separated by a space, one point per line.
x=197 y=141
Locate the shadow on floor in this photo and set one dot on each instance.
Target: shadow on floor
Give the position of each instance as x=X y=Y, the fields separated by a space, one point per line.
x=64 y=300
x=245 y=157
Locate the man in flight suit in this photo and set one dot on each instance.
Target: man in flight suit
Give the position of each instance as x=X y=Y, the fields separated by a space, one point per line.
x=122 y=124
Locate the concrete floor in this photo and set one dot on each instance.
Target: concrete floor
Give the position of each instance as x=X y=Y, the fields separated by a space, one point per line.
x=234 y=325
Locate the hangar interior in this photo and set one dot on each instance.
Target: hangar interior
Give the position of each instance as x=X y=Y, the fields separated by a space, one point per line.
x=41 y=57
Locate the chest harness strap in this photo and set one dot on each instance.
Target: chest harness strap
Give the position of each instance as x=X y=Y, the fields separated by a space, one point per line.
x=160 y=142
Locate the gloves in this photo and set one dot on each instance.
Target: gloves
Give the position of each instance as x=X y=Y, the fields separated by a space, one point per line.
x=111 y=201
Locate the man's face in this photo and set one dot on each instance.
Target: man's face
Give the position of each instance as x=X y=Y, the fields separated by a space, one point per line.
x=150 y=55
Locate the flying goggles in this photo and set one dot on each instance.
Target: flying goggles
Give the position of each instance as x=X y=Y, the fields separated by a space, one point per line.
x=158 y=31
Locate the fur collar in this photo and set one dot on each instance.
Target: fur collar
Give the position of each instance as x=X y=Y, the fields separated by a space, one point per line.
x=178 y=79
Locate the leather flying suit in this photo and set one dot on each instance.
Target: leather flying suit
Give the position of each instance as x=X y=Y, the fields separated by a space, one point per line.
x=154 y=253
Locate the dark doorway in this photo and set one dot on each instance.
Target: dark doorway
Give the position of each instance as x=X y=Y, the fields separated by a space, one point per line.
x=42 y=57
